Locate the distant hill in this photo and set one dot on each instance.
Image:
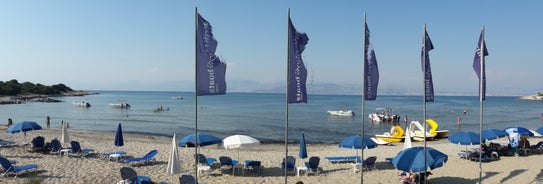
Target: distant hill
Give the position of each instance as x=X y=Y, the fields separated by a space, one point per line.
x=13 y=92
x=13 y=88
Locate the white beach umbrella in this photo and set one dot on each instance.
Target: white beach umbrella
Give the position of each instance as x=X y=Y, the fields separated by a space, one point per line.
x=174 y=167
x=407 y=139
x=65 y=138
x=239 y=141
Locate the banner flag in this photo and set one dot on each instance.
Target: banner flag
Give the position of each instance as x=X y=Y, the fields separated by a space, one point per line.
x=428 y=83
x=210 y=70
x=477 y=65
x=371 y=71
x=297 y=72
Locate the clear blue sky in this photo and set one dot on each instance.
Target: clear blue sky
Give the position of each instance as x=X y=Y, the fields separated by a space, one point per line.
x=149 y=45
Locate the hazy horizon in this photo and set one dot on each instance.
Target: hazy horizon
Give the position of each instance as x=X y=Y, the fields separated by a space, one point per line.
x=148 y=45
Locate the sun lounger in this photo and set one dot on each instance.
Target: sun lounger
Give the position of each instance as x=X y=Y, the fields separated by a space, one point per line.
x=145 y=159
x=77 y=151
x=9 y=168
x=389 y=159
x=6 y=143
x=342 y=159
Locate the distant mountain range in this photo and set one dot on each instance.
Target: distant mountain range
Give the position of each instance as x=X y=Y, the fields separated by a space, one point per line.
x=319 y=88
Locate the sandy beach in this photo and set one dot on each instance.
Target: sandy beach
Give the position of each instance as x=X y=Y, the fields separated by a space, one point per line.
x=92 y=169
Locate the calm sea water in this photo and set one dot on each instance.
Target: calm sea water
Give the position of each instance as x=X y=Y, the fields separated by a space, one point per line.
x=263 y=115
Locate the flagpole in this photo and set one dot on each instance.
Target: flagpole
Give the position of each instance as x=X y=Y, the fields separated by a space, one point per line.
x=482 y=70
x=196 y=93
x=286 y=97
x=363 y=93
x=424 y=95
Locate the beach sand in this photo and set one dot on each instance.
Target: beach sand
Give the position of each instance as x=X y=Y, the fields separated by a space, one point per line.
x=65 y=169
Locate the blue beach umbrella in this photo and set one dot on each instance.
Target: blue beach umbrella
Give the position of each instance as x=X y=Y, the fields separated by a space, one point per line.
x=355 y=142
x=519 y=130
x=540 y=130
x=24 y=126
x=412 y=159
x=491 y=134
x=303 y=151
x=465 y=138
x=204 y=139
x=119 y=136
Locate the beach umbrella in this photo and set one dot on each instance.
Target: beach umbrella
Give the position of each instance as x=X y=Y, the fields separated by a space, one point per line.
x=174 y=167
x=465 y=138
x=24 y=127
x=303 y=150
x=412 y=159
x=65 y=138
x=239 y=141
x=519 y=130
x=355 y=142
x=119 y=136
x=204 y=139
x=491 y=134
x=540 y=130
x=407 y=139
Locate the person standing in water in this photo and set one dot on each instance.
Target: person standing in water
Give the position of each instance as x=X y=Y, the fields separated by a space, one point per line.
x=405 y=120
x=48 y=121
x=459 y=119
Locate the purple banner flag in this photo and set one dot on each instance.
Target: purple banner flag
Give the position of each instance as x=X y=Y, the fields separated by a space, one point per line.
x=210 y=70
x=428 y=83
x=297 y=72
x=477 y=66
x=371 y=71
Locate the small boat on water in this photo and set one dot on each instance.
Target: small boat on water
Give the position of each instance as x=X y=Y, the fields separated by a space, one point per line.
x=385 y=116
x=177 y=98
x=81 y=104
x=416 y=130
x=348 y=113
x=119 y=105
x=396 y=134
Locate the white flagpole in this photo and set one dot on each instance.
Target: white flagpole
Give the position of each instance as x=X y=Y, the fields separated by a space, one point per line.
x=482 y=77
x=363 y=93
x=424 y=96
x=286 y=97
x=196 y=93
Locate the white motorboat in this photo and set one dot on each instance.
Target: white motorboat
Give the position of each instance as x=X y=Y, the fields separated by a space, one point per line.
x=177 y=98
x=341 y=113
x=120 y=105
x=81 y=104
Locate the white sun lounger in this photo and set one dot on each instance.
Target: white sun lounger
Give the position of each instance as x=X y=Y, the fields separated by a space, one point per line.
x=380 y=142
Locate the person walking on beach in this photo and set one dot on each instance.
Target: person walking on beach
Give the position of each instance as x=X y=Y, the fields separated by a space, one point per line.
x=10 y=122
x=48 y=121
x=459 y=119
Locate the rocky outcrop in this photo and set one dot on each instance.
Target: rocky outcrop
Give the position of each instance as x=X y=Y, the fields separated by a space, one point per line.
x=21 y=99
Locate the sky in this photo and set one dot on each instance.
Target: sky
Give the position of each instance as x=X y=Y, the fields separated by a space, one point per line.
x=146 y=45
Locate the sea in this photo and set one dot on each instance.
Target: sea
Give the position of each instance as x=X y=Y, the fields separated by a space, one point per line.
x=263 y=115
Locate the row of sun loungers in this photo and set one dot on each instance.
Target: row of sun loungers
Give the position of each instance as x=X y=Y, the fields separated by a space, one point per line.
x=342 y=159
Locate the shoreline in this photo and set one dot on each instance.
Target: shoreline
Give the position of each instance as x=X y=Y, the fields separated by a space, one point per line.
x=64 y=169
x=31 y=98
